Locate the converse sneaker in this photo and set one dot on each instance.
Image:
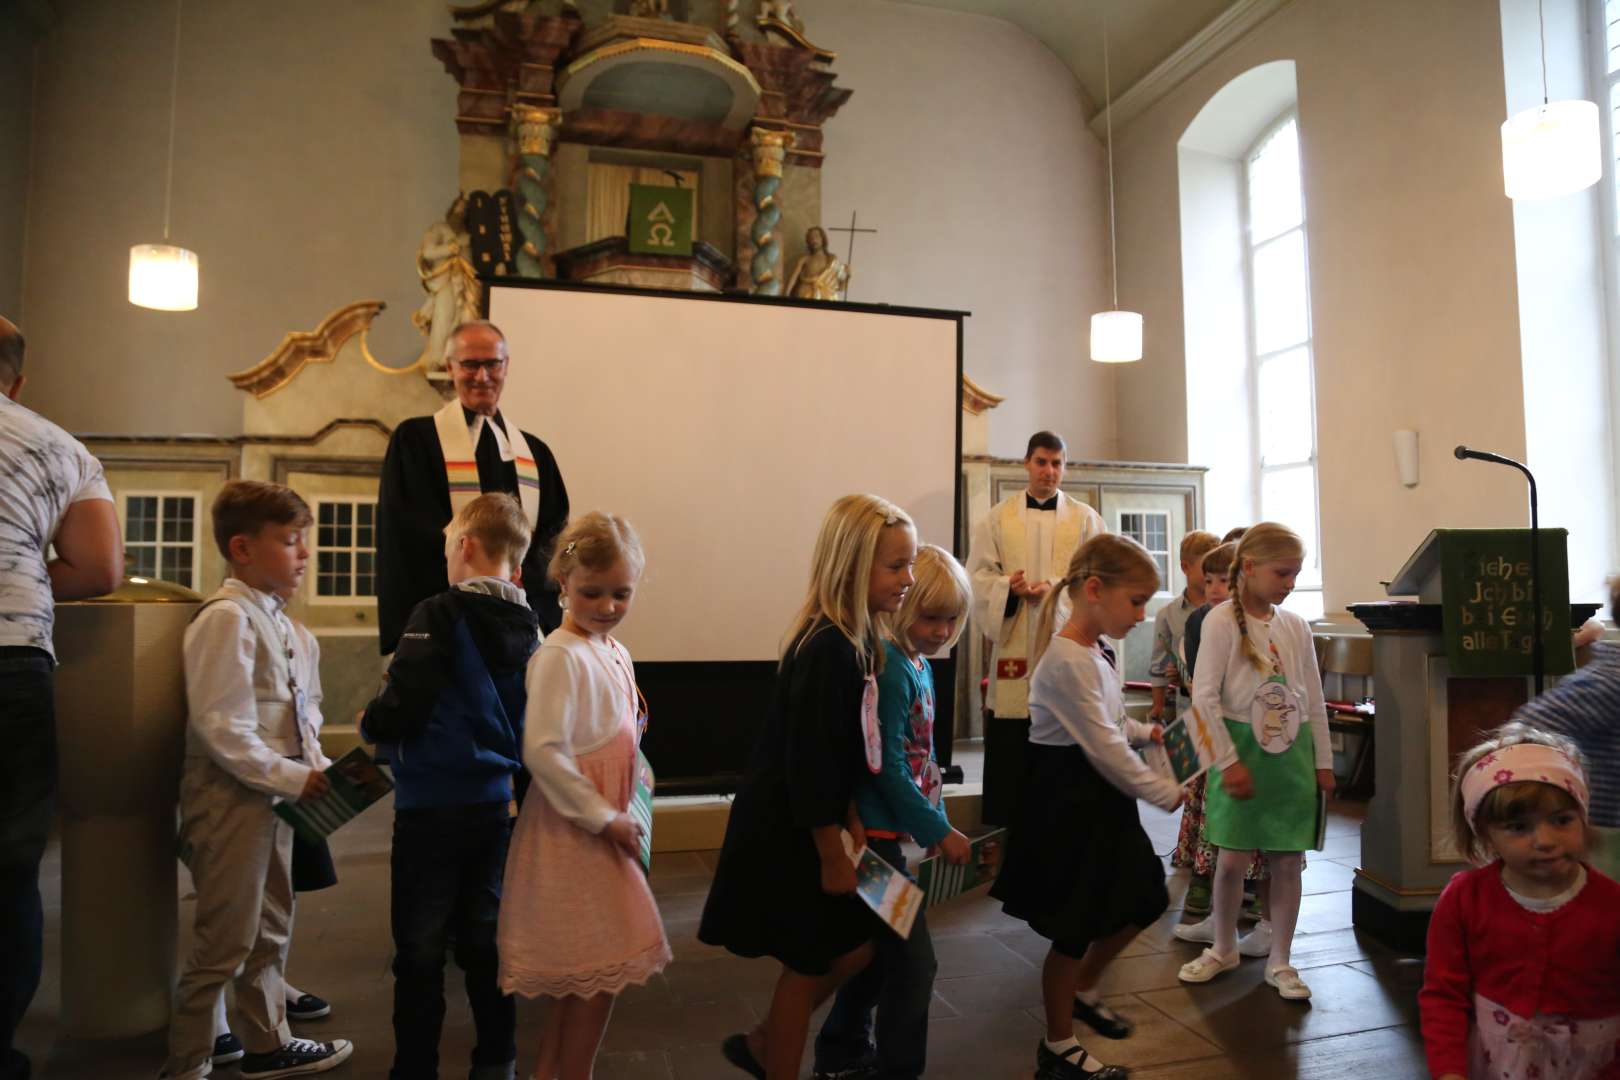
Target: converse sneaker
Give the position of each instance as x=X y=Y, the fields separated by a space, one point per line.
x=307 y=1007
x=227 y=1048
x=1256 y=942
x=1201 y=932
x=296 y=1057
x=1207 y=966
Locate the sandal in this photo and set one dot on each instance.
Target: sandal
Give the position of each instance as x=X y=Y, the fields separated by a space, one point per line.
x=1288 y=983
x=1207 y=966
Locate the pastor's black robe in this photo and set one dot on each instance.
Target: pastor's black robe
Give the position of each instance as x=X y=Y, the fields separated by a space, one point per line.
x=413 y=507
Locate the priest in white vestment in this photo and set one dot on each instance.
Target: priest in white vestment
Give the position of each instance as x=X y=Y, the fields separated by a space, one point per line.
x=1020 y=549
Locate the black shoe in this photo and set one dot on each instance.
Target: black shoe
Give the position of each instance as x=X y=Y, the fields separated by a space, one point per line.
x=227 y=1048
x=308 y=1007
x=735 y=1049
x=297 y=1057
x=868 y=1071
x=1070 y=1065
x=1103 y=1020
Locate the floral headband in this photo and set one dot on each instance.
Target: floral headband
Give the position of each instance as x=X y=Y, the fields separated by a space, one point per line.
x=1516 y=764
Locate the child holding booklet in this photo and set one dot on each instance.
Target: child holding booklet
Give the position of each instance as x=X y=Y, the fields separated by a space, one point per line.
x=252 y=739
x=1258 y=693
x=451 y=719
x=578 y=922
x=1079 y=868
x=903 y=799
x=784 y=884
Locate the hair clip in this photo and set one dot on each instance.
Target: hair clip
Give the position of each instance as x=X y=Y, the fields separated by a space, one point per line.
x=569 y=550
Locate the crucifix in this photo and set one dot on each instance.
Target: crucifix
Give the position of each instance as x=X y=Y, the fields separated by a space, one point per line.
x=852 y=229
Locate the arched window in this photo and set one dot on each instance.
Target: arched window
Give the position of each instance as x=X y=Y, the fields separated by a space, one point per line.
x=1284 y=406
x=1251 y=415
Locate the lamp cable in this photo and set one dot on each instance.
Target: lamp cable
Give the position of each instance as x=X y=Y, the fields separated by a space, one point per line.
x=174 y=93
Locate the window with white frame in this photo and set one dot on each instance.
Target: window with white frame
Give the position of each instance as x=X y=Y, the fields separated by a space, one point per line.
x=1284 y=406
x=1610 y=75
x=346 y=549
x=160 y=536
x=1151 y=529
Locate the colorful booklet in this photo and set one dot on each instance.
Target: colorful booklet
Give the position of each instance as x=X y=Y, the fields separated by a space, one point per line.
x=940 y=881
x=885 y=890
x=356 y=784
x=641 y=807
x=1321 y=820
x=1187 y=752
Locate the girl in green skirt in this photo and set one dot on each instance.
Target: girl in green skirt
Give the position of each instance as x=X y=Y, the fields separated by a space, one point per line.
x=1258 y=696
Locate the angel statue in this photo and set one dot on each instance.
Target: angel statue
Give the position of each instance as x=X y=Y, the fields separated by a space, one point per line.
x=819 y=274
x=444 y=264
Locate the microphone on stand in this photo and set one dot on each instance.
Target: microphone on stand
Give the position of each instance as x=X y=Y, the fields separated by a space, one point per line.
x=1464 y=453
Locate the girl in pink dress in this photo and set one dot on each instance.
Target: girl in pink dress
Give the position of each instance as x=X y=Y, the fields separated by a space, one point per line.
x=1522 y=980
x=578 y=923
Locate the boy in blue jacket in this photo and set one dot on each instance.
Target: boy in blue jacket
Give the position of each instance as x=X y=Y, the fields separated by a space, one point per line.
x=450 y=718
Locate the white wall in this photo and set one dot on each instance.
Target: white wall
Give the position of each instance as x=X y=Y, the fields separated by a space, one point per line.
x=966 y=145
x=1413 y=289
x=315 y=143
x=16 y=96
x=1562 y=322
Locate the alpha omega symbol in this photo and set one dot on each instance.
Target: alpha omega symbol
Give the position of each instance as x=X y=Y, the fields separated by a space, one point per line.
x=661 y=231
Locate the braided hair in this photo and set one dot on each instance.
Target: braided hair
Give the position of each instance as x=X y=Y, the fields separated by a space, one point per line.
x=1262 y=543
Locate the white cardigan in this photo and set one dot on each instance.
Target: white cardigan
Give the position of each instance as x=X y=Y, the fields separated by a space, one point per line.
x=578 y=700
x=1225 y=682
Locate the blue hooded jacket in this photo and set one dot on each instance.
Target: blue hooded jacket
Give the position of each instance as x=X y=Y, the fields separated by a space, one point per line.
x=450 y=718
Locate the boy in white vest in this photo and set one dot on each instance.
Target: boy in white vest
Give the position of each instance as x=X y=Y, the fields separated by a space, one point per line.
x=252 y=740
x=1019 y=549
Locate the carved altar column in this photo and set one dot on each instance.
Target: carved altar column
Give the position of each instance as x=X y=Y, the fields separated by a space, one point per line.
x=534 y=131
x=770 y=148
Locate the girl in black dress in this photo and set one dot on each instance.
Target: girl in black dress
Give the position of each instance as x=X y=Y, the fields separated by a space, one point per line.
x=785 y=886
x=1079 y=868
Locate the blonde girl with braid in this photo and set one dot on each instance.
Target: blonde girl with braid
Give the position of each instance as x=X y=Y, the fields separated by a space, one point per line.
x=1079 y=868
x=1258 y=695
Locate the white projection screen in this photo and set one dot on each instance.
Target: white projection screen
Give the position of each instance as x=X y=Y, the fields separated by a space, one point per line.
x=722 y=428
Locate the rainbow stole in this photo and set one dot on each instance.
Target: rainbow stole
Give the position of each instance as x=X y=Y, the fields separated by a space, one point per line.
x=461 y=466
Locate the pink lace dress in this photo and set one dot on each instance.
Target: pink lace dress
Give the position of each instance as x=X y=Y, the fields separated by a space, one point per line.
x=577 y=916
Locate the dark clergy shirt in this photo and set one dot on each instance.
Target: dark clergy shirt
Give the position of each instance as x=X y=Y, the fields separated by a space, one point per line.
x=413 y=507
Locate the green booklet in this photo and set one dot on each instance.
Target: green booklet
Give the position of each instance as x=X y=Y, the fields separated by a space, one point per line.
x=940 y=881
x=357 y=782
x=641 y=807
x=1186 y=753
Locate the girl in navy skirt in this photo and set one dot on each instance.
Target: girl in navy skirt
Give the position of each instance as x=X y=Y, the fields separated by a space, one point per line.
x=1079 y=868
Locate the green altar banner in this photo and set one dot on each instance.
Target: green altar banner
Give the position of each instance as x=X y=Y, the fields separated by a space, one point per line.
x=660 y=220
x=1486 y=601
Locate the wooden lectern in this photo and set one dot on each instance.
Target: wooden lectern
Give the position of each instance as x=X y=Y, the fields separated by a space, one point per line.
x=1452 y=664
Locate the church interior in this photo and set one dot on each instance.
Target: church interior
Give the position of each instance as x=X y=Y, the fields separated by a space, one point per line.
x=1295 y=208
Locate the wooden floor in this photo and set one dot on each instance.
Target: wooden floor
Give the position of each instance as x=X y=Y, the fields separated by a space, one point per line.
x=1361 y=1022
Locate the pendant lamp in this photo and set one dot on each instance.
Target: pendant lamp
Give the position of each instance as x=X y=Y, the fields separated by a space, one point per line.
x=163 y=276
x=1554 y=148
x=1116 y=336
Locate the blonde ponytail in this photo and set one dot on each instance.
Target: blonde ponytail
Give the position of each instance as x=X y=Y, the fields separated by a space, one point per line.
x=1113 y=560
x=1262 y=543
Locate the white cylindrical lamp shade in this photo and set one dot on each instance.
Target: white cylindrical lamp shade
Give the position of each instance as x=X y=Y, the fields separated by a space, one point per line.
x=1551 y=150
x=163 y=277
x=1116 y=337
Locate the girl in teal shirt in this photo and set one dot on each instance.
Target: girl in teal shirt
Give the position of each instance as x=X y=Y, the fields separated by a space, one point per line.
x=902 y=799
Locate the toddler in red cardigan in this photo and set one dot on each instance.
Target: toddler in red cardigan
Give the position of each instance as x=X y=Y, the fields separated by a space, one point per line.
x=1522 y=980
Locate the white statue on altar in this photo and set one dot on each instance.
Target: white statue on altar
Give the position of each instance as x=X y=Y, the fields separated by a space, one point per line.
x=444 y=264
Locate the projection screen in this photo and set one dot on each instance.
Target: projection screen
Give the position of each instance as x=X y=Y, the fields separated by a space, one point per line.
x=722 y=430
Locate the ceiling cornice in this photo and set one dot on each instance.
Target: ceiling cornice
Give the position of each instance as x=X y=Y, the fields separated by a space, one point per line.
x=1226 y=30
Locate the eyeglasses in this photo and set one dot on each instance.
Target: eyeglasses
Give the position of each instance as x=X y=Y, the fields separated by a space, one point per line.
x=473 y=367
